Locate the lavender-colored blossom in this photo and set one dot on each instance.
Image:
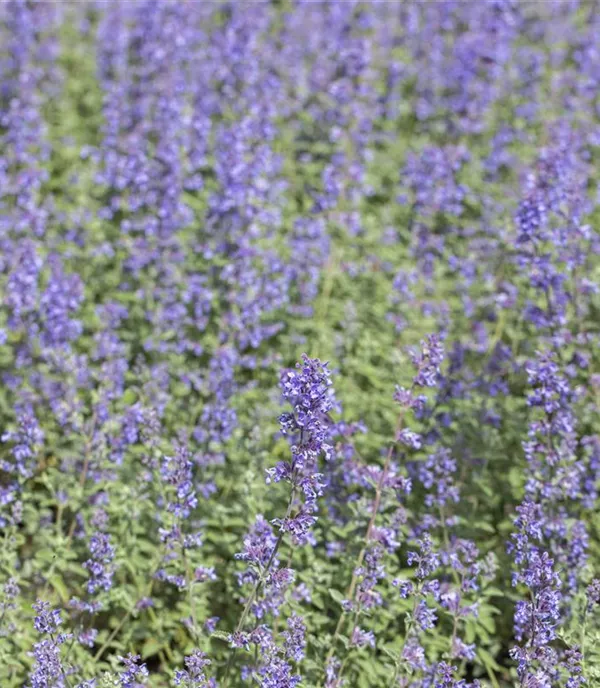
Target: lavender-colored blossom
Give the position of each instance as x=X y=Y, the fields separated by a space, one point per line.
x=99 y=565
x=48 y=669
x=194 y=675
x=308 y=392
x=295 y=641
x=427 y=361
x=47 y=620
x=135 y=674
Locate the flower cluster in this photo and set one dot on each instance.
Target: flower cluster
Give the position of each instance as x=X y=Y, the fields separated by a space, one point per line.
x=309 y=427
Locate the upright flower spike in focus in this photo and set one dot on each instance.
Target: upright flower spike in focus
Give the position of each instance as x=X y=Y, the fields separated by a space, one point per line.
x=309 y=428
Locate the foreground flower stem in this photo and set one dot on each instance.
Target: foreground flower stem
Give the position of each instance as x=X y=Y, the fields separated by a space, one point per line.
x=62 y=669
x=407 y=632
x=426 y=364
x=123 y=621
x=82 y=478
x=376 y=504
x=583 y=634
x=261 y=579
x=190 y=582
x=347 y=657
x=113 y=634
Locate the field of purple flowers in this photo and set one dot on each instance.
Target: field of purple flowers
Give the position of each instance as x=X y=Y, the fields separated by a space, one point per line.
x=299 y=344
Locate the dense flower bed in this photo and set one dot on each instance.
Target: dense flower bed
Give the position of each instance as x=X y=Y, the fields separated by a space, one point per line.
x=299 y=344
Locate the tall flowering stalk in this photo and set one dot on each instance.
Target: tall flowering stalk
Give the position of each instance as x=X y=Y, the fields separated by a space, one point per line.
x=178 y=534
x=48 y=669
x=26 y=441
x=448 y=582
x=549 y=540
x=367 y=570
x=308 y=391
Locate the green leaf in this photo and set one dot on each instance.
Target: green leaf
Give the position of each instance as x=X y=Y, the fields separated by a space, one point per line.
x=59 y=585
x=487 y=659
x=129 y=397
x=151 y=647
x=221 y=635
x=337 y=595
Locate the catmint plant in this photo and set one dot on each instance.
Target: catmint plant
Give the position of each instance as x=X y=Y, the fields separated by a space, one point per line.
x=192 y=194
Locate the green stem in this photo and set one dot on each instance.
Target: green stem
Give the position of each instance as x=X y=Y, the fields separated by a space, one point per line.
x=583 y=632
x=82 y=478
x=111 y=637
x=406 y=635
x=62 y=669
x=260 y=580
x=190 y=583
x=375 y=509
